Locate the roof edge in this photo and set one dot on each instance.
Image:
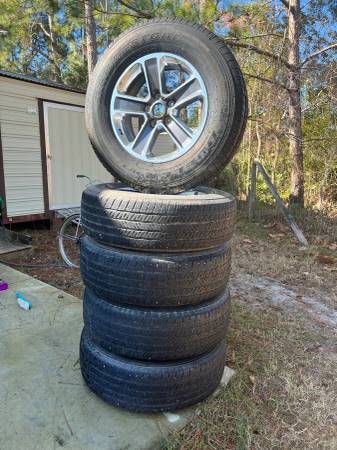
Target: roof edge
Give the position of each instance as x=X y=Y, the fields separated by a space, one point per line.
x=46 y=83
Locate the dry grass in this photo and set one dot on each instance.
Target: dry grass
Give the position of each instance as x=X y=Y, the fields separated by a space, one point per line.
x=283 y=395
x=270 y=249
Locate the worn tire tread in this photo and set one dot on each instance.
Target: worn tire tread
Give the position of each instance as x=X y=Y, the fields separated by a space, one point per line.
x=150 y=387
x=157 y=223
x=156 y=334
x=148 y=279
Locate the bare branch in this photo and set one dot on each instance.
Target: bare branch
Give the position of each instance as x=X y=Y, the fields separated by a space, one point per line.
x=43 y=29
x=320 y=139
x=46 y=55
x=260 y=51
x=141 y=13
x=286 y=4
x=266 y=80
x=114 y=13
x=254 y=36
x=319 y=52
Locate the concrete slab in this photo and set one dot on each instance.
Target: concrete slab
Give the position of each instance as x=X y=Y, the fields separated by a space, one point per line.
x=44 y=401
x=10 y=241
x=11 y=276
x=9 y=247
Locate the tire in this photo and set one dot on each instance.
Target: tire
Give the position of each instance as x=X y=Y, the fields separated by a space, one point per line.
x=157 y=280
x=147 y=222
x=224 y=88
x=156 y=334
x=147 y=387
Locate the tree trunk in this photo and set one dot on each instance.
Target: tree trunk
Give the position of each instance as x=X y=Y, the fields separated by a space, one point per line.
x=276 y=155
x=258 y=137
x=294 y=99
x=56 y=71
x=202 y=8
x=90 y=30
x=249 y=152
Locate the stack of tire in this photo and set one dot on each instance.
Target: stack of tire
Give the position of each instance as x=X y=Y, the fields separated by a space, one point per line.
x=156 y=304
x=155 y=258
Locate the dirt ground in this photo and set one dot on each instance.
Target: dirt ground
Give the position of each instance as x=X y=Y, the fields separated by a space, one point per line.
x=282 y=341
x=43 y=260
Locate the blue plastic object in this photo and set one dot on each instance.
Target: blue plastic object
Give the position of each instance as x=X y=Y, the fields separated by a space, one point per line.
x=23 y=302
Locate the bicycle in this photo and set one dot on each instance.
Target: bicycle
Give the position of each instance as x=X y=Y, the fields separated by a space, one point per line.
x=70 y=235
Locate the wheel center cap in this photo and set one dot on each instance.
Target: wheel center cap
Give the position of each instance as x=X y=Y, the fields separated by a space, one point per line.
x=158 y=110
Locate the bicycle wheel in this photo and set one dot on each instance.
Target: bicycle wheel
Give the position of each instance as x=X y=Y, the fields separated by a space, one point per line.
x=69 y=240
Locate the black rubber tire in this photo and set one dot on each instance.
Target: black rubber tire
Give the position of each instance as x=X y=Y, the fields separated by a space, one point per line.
x=156 y=334
x=145 y=279
x=227 y=100
x=147 y=387
x=150 y=222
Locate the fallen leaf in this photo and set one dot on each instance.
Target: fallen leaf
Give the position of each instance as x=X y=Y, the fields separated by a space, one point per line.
x=321 y=241
x=330 y=246
x=278 y=227
x=325 y=259
x=281 y=228
x=312 y=347
x=252 y=379
x=247 y=241
x=270 y=225
x=330 y=269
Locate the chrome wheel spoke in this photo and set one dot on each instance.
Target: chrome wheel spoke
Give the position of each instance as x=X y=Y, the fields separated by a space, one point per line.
x=159 y=99
x=145 y=139
x=153 y=76
x=182 y=125
x=179 y=132
x=187 y=93
x=128 y=104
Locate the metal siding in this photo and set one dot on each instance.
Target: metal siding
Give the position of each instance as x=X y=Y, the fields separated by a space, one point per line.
x=21 y=154
x=20 y=135
x=70 y=154
x=21 y=147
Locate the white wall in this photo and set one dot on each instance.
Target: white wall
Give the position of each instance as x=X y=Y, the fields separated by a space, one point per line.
x=20 y=136
x=69 y=153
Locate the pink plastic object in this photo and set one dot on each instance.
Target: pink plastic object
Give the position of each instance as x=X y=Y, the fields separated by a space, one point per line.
x=3 y=285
